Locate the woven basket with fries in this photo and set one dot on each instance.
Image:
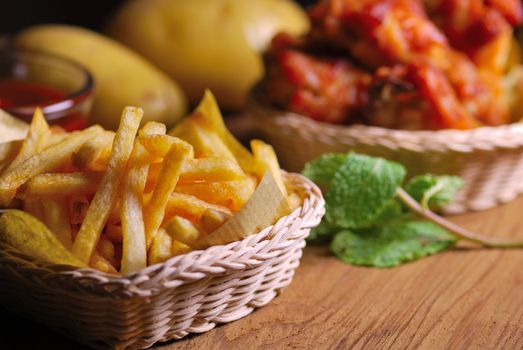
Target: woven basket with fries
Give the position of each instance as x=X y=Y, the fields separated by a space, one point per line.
x=191 y=293
x=124 y=239
x=490 y=159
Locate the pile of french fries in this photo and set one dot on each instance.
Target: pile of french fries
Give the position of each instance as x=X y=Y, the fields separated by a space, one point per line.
x=120 y=201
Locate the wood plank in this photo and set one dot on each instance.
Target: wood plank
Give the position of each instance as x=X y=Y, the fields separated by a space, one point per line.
x=458 y=299
x=463 y=298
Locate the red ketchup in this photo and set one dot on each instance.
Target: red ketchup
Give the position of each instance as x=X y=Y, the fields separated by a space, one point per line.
x=19 y=93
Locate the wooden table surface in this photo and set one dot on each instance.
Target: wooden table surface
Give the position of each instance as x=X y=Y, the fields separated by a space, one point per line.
x=463 y=298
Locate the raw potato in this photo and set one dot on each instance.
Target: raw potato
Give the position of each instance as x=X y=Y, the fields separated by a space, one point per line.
x=214 y=44
x=122 y=77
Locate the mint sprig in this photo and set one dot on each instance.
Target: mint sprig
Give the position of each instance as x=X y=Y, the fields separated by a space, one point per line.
x=361 y=188
x=371 y=220
x=433 y=191
x=391 y=245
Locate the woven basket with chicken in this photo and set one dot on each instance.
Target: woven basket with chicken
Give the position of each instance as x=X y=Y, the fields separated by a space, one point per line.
x=435 y=84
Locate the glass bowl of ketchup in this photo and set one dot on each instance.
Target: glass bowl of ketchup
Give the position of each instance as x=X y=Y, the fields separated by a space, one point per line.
x=30 y=79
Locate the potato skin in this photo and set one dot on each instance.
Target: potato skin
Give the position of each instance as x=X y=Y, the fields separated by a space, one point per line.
x=122 y=77
x=215 y=44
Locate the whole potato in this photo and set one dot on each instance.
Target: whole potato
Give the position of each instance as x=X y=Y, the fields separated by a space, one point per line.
x=215 y=44
x=122 y=77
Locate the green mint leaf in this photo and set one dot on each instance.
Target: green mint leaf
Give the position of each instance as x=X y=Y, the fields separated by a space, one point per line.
x=361 y=189
x=433 y=191
x=392 y=211
x=322 y=169
x=391 y=245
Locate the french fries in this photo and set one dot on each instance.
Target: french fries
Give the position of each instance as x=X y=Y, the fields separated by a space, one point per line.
x=95 y=154
x=182 y=230
x=205 y=143
x=189 y=207
x=154 y=211
x=179 y=248
x=208 y=116
x=45 y=161
x=267 y=160
x=230 y=194
x=161 y=248
x=107 y=193
x=212 y=169
x=8 y=152
x=62 y=184
x=134 y=247
x=35 y=141
x=119 y=202
x=57 y=219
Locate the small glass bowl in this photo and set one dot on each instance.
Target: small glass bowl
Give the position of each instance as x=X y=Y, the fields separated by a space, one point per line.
x=73 y=81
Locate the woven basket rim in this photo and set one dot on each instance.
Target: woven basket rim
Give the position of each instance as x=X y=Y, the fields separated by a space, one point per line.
x=504 y=136
x=88 y=277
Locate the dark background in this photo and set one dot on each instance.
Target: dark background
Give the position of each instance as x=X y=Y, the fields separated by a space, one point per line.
x=16 y=15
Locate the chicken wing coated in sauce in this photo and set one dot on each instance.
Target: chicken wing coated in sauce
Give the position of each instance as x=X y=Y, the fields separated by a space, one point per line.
x=480 y=28
x=323 y=88
x=423 y=74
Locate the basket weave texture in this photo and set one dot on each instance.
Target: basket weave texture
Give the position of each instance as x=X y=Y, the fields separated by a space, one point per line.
x=489 y=159
x=186 y=294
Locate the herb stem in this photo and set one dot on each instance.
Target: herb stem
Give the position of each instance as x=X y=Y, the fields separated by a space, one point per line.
x=457 y=230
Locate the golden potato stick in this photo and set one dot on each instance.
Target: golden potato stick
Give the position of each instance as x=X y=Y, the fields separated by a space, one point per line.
x=182 y=230
x=157 y=144
x=95 y=153
x=57 y=134
x=35 y=140
x=230 y=194
x=211 y=170
x=179 y=248
x=152 y=128
x=62 y=184
x=100 y=263
x=173 y=162
x=105 y=248
x=114 y=211
x=44 y=162
x=160 y=145
x=34 y=207
x=56 y=218
x=190 y=207
x=161 y=247
x=106 y=195
x=268 y=161
x=206 y=143
x=11 y=128
x=204 y=169
x=212 y=219
x=134 y=248
x=8 y=152
x=208 y=116
x=78 y=205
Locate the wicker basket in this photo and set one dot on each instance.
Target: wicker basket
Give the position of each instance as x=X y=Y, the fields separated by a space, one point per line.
x=490 y=159
x=186 y=294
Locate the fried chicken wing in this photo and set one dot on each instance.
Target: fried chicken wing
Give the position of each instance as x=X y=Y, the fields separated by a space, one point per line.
x=380 y=32
x=420 y=80
x=327 y=89
x=414 y=97
x=480 y=28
